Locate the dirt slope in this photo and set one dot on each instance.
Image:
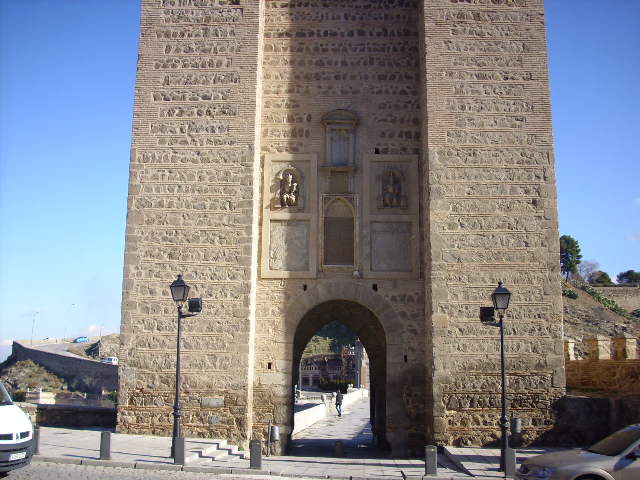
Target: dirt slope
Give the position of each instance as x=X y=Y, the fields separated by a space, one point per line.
x=584 y=318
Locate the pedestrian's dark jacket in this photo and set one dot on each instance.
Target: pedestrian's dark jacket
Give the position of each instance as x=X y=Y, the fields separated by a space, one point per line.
x=339 y=398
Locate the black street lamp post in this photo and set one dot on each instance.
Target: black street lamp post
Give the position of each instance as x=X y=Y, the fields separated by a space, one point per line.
x=180 y=294
x=500 y=298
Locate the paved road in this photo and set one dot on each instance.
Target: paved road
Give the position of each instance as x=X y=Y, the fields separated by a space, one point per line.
x=315 y=446
x=352 y=429
x=60 y=471
x=57 y=348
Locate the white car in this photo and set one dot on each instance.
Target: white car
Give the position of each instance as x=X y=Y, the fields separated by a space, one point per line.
x=16 y=434
x=110 y=360
x=617 y=457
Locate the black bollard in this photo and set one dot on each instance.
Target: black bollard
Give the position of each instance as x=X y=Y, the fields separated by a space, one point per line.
x=255 y=452
x=105 y=445
x=430 y=460
x=516 y=425
x=36 y=440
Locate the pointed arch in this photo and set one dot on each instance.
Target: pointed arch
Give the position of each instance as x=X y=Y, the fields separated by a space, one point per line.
x=339 y=234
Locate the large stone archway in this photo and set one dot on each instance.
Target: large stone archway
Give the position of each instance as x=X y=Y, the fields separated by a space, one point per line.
x=370 y=332
x=398 y=424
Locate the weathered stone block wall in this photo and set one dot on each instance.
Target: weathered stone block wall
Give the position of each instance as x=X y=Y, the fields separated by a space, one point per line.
x=627 y=297
x=361 y=56
x=192 y=197
x=612 y=366
x=490 y=214
x=611 y=376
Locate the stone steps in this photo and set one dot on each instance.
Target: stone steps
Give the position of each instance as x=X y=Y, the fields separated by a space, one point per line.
x=217 y=450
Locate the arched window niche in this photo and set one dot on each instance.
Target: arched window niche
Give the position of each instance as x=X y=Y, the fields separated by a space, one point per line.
x=339 y=234
x=340 y=150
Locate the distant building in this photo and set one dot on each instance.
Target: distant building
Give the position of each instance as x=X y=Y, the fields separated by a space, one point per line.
x=334 y=366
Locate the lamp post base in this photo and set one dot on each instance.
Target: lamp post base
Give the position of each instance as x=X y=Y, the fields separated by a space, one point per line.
x=178 y=450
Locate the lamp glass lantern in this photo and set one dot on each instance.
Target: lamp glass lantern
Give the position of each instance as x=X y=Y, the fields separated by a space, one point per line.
x=179 y=290
x=500 y=298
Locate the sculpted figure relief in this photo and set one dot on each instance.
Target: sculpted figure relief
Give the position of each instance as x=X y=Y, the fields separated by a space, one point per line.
x=289 y=190
x=392 y=191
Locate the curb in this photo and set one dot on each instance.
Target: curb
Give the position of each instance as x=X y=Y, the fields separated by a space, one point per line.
x=213 y=470
x=157 y=466
x=107 y=463
x=73 y=461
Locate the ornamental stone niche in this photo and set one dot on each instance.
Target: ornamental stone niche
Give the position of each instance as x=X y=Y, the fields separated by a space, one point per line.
x=340 y=133
x=383 y=163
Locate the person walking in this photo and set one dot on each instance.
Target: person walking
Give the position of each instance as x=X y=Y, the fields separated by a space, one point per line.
x=339 y=402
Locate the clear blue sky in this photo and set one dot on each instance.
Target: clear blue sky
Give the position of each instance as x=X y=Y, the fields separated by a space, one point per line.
x=67 y=75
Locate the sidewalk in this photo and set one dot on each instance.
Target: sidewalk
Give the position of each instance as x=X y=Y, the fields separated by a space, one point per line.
x=312 y=453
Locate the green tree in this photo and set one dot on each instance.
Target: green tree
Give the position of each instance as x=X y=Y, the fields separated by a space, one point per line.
x=630 y=276
x=569 y=255
x=600 y=278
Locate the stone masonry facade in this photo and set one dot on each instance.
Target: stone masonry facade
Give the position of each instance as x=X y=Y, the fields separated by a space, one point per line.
x=383 y=163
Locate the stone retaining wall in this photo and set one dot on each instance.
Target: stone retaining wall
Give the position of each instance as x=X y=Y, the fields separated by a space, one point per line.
x=627 y=297
x=584 y=420
x=612 y=366
x=82 y=374
x=75 y=416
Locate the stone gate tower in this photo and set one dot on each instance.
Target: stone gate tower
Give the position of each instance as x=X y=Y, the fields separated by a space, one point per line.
x=383 y=163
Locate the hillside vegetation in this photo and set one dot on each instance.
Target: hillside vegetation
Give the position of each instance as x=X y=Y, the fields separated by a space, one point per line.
x=585 y=317
x=20 y=376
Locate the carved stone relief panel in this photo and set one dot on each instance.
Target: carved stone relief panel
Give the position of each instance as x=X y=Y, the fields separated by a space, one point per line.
x=289 y=245
x=391 y=247
x=289 y=216
x=392 y=186
x=392 y=189
x=390 y=216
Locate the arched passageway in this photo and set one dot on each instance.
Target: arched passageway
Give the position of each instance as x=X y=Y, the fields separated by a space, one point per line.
x=366 y=326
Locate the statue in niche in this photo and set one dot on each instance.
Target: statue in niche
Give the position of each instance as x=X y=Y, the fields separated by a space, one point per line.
x=392 y=191
x=289 y=190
